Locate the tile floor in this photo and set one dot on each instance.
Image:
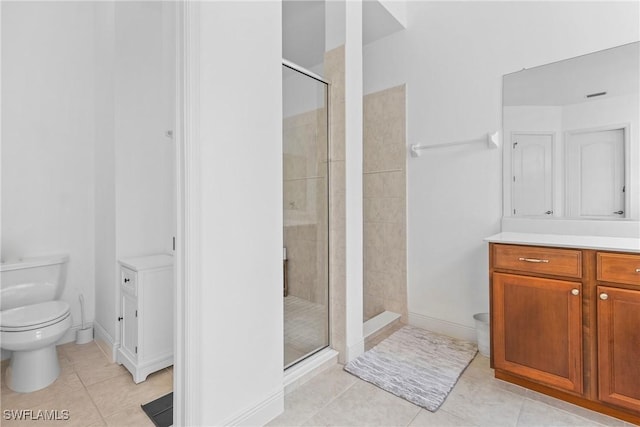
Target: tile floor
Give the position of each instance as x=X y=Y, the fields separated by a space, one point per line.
x=337 y=398
x=99 y=393
x=95 y=391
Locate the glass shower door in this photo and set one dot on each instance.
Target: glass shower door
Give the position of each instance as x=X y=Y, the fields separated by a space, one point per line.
x=306 y=217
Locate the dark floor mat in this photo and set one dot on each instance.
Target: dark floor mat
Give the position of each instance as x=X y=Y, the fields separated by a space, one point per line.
x=160 y=410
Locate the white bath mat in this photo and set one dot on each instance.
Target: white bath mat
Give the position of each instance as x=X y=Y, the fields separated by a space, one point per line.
x=416 y=365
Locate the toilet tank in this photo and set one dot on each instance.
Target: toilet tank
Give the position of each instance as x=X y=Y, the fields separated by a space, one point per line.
x=32 y=280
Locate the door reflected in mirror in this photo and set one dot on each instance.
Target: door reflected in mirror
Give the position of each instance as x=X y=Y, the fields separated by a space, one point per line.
x=571 y=137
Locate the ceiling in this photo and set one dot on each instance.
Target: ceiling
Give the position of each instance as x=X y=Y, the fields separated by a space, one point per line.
x=615 y=71
x=303 y=28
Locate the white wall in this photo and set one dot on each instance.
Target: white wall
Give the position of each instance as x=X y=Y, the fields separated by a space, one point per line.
x=385 y=63
x=454 y=55
x=134 y=167
x=144 y=155
x=353 y=106
x=105 y=189
x=86 y=169
x=48 y=138
x=240 y=128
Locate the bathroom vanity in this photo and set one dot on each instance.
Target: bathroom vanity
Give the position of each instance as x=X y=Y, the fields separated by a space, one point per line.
x=146 y=314
x=565 y=318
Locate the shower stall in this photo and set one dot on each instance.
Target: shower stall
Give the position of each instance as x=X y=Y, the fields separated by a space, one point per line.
x=305 y=213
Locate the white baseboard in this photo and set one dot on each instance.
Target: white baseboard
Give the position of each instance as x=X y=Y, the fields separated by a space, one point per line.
x=105 y=341
x=443 y=327
x=261 y=413
x=70 y=336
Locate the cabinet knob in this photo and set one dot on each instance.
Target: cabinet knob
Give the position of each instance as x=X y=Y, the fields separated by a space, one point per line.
x=575 y=292
x=604 y=296
x=126 y=279
x=120 y=318
x=618 y=212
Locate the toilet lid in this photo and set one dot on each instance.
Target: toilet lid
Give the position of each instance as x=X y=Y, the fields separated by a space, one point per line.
x=29 y=316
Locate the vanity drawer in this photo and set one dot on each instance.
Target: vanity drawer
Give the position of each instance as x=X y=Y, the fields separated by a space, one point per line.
x=535 y=259
x=618 y=268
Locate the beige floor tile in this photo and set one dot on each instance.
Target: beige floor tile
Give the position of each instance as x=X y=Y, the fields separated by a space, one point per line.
x=111 y=395
x=303 y=402
x=132 y=416
x=364 y=404
x=575 y=410
x=479 y=370
x=67 y=382
x=483 y=402
x=82 y=353
x=535 y=413
x=440 y=418
x=95 y=371
x=106 y=349
x=78 y=406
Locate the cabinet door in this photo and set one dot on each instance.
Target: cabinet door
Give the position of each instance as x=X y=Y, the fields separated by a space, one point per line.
x=619 y=346
x=537 y=327
x=130 y=324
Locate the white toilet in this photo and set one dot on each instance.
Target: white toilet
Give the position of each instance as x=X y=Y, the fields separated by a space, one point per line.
x=32 y=320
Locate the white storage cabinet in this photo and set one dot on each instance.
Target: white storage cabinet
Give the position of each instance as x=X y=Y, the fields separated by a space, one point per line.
x=146 y=314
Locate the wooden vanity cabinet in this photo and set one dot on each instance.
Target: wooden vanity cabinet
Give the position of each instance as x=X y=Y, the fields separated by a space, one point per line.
x=538 y=329
x=619 y=330
x=537 y=318
x=566 y=322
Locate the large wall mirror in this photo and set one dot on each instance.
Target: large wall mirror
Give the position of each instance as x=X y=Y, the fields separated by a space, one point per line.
x=571 y=137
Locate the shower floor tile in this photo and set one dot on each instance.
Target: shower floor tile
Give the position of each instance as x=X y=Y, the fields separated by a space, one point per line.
x=305 y=328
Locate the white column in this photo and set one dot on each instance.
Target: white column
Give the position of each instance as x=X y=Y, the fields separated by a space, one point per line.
x=353 y=175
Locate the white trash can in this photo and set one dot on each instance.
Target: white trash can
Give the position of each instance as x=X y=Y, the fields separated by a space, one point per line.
x=482 y=333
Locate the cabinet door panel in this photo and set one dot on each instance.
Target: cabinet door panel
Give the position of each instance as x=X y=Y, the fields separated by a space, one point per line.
x=619 y=346
x=129 y=324
x=538 y=329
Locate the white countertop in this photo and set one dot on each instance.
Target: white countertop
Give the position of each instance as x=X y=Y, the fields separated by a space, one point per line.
x=622 y=244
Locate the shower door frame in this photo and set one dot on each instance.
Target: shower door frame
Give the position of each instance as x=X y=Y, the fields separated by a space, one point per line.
x=295 y=67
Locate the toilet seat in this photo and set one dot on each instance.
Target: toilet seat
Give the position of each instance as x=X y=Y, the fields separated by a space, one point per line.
x=35 y=316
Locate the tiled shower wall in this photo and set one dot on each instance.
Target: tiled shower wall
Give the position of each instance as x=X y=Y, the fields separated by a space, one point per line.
x=385 y=283
x=385 y=226
x=305 y=202
x=334 y=71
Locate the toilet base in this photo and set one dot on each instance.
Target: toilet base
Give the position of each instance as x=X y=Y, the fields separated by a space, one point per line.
x=32 y=370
